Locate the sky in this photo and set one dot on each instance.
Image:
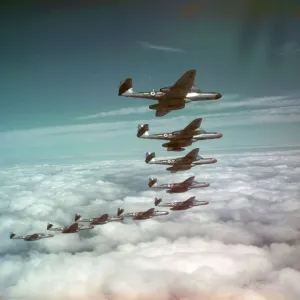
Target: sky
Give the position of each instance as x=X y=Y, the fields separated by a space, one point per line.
x=61 y=65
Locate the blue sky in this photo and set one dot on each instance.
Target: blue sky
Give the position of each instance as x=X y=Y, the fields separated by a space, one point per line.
x=61 y=66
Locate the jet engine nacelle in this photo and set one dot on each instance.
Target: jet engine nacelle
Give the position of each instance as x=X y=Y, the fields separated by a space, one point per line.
x=175 y=149
x=173 y=106
x=165 y=89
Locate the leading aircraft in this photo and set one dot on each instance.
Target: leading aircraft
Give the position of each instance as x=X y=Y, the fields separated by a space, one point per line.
x=171 y=97
x=180 y=205
x=183 y=163
x=179 y=187
x=71 y=229
x=148 y=214
x=31 y=237
x=180 y=138
x=105 y=218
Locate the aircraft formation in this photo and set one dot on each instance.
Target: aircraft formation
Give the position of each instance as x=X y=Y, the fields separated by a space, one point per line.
x=169 y=98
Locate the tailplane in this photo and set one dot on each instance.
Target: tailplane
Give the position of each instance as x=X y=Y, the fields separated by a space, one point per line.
x=120 y=212
x=77 y=217
x=125 y=87
x=150 y=156
x=151 y=181
x=157 y=201
x=143 y=130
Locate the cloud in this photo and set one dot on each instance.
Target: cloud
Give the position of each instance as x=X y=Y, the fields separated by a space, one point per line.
x=243 y=245
x=117 y=112
x=160 y=47
x=228 y=102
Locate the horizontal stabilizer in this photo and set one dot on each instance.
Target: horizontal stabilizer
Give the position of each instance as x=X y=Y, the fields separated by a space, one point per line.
x=143 y=129
x=120 y=212
x=151 y=181
x=157 y=201
x=77 y=217
x=150 y=156
x=125 y=87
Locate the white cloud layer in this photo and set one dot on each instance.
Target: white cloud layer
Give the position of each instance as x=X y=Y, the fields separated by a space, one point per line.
x=245 y=245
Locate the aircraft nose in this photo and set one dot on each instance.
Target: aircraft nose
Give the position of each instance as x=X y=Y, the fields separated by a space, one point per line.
x=218 y=96
x=214 y=160
x=219 y=135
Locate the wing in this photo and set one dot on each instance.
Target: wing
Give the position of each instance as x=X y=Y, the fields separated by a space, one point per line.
x=104 y=218
x=181 y=87
x=161 y=112
x=148 y=212
x=192 y=155
x=74 y=227
x=189 y=130
x=189 y=181
x=187 y=202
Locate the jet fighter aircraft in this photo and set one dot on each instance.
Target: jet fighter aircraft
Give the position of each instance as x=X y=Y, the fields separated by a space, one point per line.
x=172 y=97
x=179 y=187
x=31 y=237
x=180 y=205
x=71 y=229
x=99 y=220
x=183 y=163
x=180 y=138
x=148 y=214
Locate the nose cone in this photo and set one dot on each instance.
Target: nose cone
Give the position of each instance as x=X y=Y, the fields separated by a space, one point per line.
x=214 y=160
x=218 y=96
x=51 y=235
x=219 y=135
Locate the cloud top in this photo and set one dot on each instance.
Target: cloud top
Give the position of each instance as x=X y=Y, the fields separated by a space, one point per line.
x=243 y=245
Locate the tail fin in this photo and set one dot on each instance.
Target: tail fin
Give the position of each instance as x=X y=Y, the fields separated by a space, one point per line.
x=143 y=129
x=151 y=181
x=120 y=211
x=125 y=87
x=77 y=217
x=150 y=156
x=12 y=235
x=157 y=201
x=49 y=226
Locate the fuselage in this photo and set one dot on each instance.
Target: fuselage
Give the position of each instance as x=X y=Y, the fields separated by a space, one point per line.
x=188 y=140
x=182 y=164
x=191 y=96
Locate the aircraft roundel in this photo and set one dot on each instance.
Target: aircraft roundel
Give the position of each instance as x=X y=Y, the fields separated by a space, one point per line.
x=152 y=93
x=165 y=135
